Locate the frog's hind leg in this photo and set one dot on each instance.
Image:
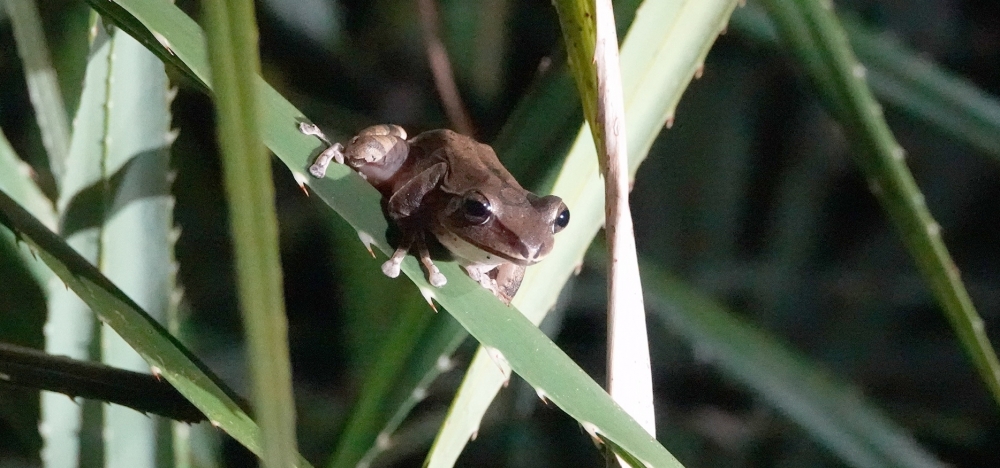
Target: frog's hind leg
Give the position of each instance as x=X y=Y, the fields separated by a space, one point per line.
x=507 y=278
x=385 y=129
x=313 y=130
x=322 y=162
x=335 y=151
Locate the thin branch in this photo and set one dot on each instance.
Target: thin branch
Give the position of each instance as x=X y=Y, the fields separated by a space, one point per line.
x=26 y=367
x=444 y=76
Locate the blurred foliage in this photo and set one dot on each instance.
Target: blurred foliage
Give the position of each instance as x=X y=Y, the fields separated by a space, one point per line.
x=750 y=197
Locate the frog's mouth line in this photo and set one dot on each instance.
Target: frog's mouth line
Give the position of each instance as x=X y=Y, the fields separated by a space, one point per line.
x=513 y=259
x=468 y=252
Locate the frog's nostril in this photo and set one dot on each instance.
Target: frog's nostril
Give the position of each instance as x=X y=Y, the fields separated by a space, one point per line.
x=527 y=252
x=534 y=253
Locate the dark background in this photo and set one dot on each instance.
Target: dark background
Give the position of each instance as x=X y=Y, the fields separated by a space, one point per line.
x=751 y=196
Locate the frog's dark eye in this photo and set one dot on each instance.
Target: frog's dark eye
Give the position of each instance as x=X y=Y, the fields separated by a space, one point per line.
x=562 y=220
x=476 y=208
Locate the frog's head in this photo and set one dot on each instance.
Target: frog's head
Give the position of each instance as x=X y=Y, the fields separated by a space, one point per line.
x=508 y=224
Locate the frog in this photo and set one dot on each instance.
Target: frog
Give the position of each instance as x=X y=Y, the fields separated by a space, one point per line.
x=444 y=186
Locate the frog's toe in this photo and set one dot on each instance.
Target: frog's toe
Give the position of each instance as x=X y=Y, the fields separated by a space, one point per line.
x=318 y=170
x=311 y=129
x=436 y=278
x=391 y=268
x=337 y=151
x=333 y=153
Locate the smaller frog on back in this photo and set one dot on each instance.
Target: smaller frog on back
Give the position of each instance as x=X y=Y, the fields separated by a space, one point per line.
x=453 y=187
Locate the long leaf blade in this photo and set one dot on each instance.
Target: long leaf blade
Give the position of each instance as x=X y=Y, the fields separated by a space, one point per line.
x=16 y=180
x=820 y=44
x=836 y=415
x=235 y=63
x=902 y=78
x=70 y=325
x=136 y=248
x=43 y=86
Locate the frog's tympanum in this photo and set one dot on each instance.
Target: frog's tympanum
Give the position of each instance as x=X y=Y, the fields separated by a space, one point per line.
x=453 y=187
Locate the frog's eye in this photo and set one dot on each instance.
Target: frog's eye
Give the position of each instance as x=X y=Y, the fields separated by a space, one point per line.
x=476 y=208
x=562 y=219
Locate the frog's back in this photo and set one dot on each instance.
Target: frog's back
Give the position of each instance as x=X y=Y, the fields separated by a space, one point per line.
x=471 y=163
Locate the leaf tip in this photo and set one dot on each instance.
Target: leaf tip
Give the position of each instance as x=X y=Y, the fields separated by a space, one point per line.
x=542 y=396
x=419 y=394
x=428 y=296
x=301 y=179
x=591 y=429
x=383 y=441
x=444 y=363
x=501 y=361
x=367 y=240
x=164 y=42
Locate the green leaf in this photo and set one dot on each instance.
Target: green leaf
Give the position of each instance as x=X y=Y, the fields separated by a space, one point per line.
x=253 y=224
x=82 y=204
x=903 y=79
x=16 y=180
x=820 y=44
x=30 y=368
x=43 y=86
x=577 y=22
x=835 y=414
x=136 y=236
x=414 y=352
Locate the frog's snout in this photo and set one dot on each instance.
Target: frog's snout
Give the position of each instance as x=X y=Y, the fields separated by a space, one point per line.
x=534 y=253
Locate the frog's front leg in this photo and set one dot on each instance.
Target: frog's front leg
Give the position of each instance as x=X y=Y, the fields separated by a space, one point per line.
x=391 y=266
x=404 y=208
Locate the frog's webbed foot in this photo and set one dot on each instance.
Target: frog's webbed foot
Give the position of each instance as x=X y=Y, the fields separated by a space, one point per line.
x=312 y=130
x=502 y=280
x=335 y=152
x=481 y=274
x=391 y=266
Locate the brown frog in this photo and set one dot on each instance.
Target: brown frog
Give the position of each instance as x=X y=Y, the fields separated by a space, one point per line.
x=453 y=187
